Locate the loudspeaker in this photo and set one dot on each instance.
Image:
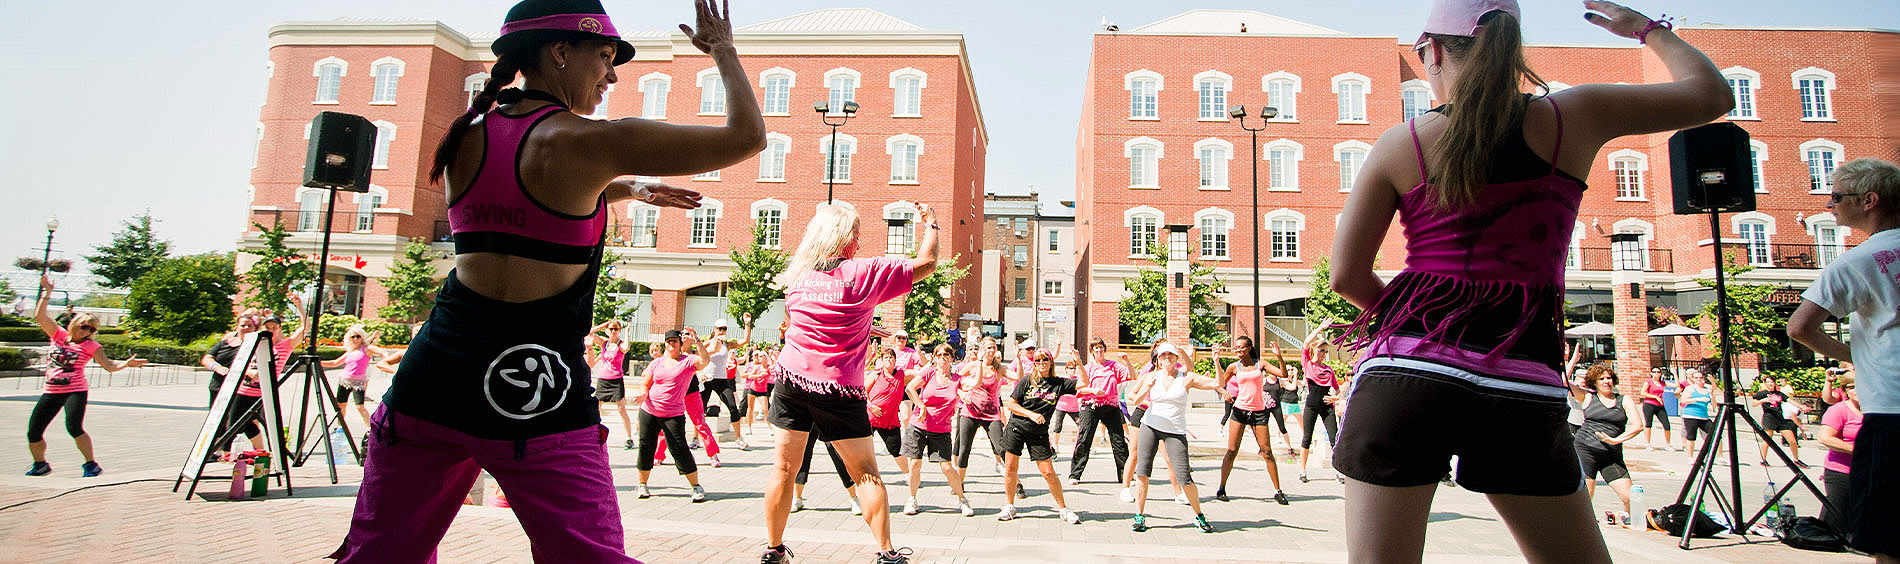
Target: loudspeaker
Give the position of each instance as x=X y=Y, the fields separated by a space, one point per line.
x=341 y=146
x=1711 y=170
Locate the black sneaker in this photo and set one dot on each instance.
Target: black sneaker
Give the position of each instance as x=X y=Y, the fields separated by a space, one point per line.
x=896 y=556
x=631 y=445
x=1280 y=498
x=1201 y=521
x=1221 y=494
x=776 y=555
x=39 y=469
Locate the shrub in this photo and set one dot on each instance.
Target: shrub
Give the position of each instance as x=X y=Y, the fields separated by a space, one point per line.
x=183 y=298
x=331 y=327
x=1806 y=381
x=22 y=335
x=10 y=320
x=12 y=359
x=121 y=347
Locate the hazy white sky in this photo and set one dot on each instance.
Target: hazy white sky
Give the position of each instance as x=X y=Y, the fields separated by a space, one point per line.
x=118 y=106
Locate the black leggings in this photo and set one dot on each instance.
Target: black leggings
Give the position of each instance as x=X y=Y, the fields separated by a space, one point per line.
x=804 y=470
x=1279 y=418
x=966 y=438
x=1652 y=412
x=73 y=402
x=240 y=406
x=723 y=388
x=676 y=444
x=1109 y=417
x=1316 y=409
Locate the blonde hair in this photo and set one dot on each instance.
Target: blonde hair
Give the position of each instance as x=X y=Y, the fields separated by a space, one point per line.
x=356 y=329
x=834 y=229
x=1870 y=175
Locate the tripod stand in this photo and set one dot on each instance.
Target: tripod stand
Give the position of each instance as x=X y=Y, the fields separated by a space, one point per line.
x=316 y=386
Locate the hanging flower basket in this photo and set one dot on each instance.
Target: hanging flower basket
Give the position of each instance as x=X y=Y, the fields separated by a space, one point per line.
x=56 y=265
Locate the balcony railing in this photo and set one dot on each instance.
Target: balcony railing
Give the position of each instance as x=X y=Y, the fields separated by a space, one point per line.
x=342 y=221
x=1780 y=255
x=1603 y=259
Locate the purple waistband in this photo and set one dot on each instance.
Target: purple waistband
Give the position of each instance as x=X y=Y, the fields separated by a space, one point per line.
x=591 y=23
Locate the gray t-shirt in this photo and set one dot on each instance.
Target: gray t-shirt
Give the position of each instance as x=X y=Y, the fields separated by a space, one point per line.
x=1863 y=285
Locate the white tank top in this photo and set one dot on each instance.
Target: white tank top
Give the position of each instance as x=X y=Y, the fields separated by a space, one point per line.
x=716 y=364
x=1168 y=405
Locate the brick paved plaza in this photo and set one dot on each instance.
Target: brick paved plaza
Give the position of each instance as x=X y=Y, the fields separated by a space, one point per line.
x=142 y=432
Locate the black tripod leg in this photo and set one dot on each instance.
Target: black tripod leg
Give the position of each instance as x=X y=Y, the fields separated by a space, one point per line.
x=1788 y=462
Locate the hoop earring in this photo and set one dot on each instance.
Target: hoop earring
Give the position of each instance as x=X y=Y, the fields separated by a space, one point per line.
x=1434 y=69
x=562 y=66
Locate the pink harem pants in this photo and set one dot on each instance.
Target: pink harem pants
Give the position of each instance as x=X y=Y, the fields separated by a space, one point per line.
x=696 y=415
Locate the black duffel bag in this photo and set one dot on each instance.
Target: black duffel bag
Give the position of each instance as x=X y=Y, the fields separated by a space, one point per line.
x=1808 y=533
x=1671 y=519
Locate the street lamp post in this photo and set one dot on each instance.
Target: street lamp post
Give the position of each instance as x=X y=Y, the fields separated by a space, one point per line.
x=46 y=260
x=1239 y=113
x=849 y=110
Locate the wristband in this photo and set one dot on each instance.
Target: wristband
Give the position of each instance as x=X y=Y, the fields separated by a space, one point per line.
x=1642 y=37
x=644 y=190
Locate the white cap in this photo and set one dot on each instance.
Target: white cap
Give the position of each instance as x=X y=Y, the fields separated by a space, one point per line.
x=901 y=333
x=1167 y=348
x=719 y=323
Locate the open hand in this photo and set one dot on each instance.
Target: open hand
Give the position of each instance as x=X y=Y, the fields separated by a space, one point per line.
x=715 y=25
x=46 y=284
x=1620 y=20
x=135 y=362
x=660 y=194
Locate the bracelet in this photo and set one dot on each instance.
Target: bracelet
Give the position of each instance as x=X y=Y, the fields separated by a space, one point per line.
x=1642 y=37
x=934 y=226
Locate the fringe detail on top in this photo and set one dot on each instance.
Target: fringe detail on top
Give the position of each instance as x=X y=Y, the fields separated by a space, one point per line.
x=783 y=376
x=1447 y=306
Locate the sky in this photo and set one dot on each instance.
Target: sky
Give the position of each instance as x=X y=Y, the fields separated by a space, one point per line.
x=118 y=107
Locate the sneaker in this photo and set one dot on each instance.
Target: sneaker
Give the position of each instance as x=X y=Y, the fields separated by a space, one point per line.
x=1303 y=477
x=856 y=509
x=1021 y=491
x=699 y=494
x=641 y=491
x=798 y=504
x=963 y=506
x=1008 y=513
x=1074 y=482
x=742 y=444
x=631 y=445
x=1280 y=498
x=39 y=469
x=1764 y=463
x=1069 y=516
x=1181 y=498
x=715 y=460
x=1803 y=465
x=1141 y=524
x=1128 y=495
x=776 y=555
x=1221 y=494
x=1201 y=521
x=1339 y=478
x=999 y=468
x=693 y=444
x=91 y=469
x=910 y=507
x=895 y=556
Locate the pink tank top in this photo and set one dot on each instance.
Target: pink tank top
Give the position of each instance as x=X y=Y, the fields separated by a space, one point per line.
x=495 y=214
x=1250 y=388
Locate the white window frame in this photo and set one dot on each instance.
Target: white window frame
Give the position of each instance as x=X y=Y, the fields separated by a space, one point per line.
x=847 y=147
x=1412 y=88
x=1226 y=239
x=708 y=212
x=905 y=211
x=1639 y=162
x=837 y=98
x=1055 y=240
x=600 y=110
x=1574 y=260
x=765 y=88
x=376 y=81
x=769 y=160
x=1134 y=111
x=1340 y=150
x=893 y=147
x=897 y=93
x=1219 y=168
x=1152 y=179
x=1340 y=81
x=1823 y=181
x=1154 y=236
x=385 y=138
x=270 y=71
x=1747 y=100
x=651 y=231
x=1202 y=83
x=1826 y=252
x=1826 y=95
x=1299 y=228
x=712 y=92
x=1289 y=113
x=473 y=85
x=257 y=146
x=343 y=70
x=775 y=237
x=310 y=204
x=654 y=89
x=377 y=196
x=1646 y=238
x=1764 y=255
x=1292 y=177
x=1051 y=288
x=708 y=176
x=1759 y=152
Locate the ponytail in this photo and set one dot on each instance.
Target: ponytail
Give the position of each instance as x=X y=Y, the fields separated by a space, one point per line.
x=501 y=75
x=1486 y=101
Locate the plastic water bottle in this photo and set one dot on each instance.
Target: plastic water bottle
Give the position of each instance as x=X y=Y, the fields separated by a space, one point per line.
x=1788 y=513
x=1636 y=498
x=1774 y=508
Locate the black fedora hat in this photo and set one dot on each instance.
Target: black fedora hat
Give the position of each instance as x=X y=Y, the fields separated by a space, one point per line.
x=534 y=22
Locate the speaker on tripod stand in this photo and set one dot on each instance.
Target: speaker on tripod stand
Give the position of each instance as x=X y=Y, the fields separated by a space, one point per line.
x=1711 y=173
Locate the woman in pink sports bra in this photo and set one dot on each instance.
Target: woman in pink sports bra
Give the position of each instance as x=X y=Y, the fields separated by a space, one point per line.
x=357 y=350
x=1487 y=189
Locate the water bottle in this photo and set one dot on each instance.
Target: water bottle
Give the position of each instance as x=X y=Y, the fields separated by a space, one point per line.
x=1788 y=513
x=1774 y=508
x=1636 y=498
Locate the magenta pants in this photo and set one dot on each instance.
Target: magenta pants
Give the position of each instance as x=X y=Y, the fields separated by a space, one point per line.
x=417 y=474
x=695 y=414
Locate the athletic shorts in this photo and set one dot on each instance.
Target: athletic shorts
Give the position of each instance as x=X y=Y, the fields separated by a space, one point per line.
x=836 y=417
x=1290 y=407
x=1412 y=416
x=1250 y=418
x=1773 y=423
x=1874 y=512
x=354 y=395
x=1023 y=434
x=758 y=394
x=918 y=443
x=1690 y=425
x=893 y=439
x=609 y=390
x=1607 y=463
x=1652 y=412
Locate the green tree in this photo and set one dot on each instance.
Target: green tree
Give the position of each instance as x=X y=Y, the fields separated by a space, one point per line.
x=1322 y=302
x=6 y=291
x=752 y=292
x=925 y=304
x=411 y=284
x=279 y=271
x=134 y=251
x=1751 y=318
x=183 y=299
x=1145 y=311
x=610 y=292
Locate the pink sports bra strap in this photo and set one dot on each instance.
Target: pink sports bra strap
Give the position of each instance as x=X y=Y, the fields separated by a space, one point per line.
x=1559 y=147
x=1418 y=150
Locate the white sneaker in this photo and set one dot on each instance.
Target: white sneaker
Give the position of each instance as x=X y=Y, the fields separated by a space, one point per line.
x=1181 y=498
x=641 y=491
x=1074 y=482
x=798 y=504
x=1009 y=512
x=699 y=494
x=963 y=506
x=1069 y=516
x=855 y=508
x=715 y=460
x=999 y=468
x=910 y=507
x=1128 y=494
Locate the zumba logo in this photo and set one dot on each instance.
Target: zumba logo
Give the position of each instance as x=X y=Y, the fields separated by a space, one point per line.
x=590 y=25
x=525 y=381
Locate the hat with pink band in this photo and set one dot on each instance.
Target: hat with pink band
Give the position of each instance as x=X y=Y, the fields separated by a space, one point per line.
x=1463 y=17
x=532 y=23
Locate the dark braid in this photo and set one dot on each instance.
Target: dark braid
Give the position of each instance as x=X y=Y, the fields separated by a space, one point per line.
x=502 y=74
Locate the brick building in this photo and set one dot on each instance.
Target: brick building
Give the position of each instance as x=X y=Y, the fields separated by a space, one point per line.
x=918 y=137
x=1156 y=148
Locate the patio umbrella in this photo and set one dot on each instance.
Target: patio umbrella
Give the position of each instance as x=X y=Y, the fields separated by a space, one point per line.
x=1591 y=329
x=1672 y=330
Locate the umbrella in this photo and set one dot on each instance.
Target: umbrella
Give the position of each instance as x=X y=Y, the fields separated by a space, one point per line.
x=1674 y=330
x=1591 y=329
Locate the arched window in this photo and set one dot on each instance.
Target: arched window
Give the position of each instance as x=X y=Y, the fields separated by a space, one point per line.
x=1758 y=156
x=705 y=234
x=1829 y=237
x=473 y=84
x=1211 y=88
x=385 y=136
x=905 y=234
x=1574 y=260
x=310 y=209
x=653 y=89
x=1282 y=90
x=838 y=169
x=1215 y=225
x=769 y=216
x=772 y=159
x=366 y=204
x=600 y=111
x=1352 y=88
x=906 y=152
x=1144 y=90
x=1416 y=96
x=387 y=71
x=329 y=72
x=1351 y=156
x=1754 y=229
x=907 y=92
x=1215 y=156
x=1144 y=162
x=644 y=220
x=1283 y=158
x=1821 y=156
x=1283 y=229
x=842 y=85
x=1646 y=234
x=1629 y=167
x=777 y=82
x=1816 y=86
x=712 y=93
x=1144 y=229
x=1742 y=82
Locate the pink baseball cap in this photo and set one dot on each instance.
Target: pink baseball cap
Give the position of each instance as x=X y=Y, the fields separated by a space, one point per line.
x=1460 y=17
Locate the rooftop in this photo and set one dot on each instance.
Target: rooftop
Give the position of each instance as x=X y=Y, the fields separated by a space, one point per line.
x=835 y=20
x=1231 y=21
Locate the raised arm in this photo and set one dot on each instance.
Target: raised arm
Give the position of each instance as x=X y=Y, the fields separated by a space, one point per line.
x=47 y=324
x=926 y=261
x=700 y=357
x=1696 y=94
x=111 y=366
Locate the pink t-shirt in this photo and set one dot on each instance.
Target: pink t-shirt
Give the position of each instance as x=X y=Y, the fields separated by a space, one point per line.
x=887 y=392
x=757 y=377
x=68 y=360
x=607 y=365
x=1846 y=420
x=1067 y=403
x=830 y=314
x=1655 y=388
x=939 y=396
x=1106 y=377
x=908 y=358
x=356 y=365
x=1315 y=372
x=984 y=400
x=283 y=350
x=666 y=394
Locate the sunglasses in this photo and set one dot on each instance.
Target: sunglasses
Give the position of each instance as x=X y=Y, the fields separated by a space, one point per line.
x=1044 y=361
x=88 y=327
x=1836 y=197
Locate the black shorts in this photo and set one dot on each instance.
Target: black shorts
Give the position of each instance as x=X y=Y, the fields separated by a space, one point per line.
x=354 y=395
x=1025 y=434
x=1413 y=416
x=893 y=440
x=1608 y=463
x=1250 y=418
x=758 y=394
x=1874 y=512
x=1775 y=423
x=836 y=417
x=610 y=390
x=1690 y=425
x=1653 y=412
x=918 y=443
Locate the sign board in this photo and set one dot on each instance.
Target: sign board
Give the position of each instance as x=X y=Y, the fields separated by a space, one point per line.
x=254 y=356
x=1046 y=314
